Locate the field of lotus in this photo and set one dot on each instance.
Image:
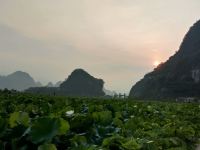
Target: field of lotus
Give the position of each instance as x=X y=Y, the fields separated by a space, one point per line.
x=33 y=122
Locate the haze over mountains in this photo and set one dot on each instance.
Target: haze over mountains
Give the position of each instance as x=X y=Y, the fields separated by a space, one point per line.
x=18 y=80
x=23 y=81
x=177 y=77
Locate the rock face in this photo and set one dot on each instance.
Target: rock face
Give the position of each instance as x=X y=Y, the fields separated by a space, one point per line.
x=179 y=76
x=18 y=81
x=80 y=83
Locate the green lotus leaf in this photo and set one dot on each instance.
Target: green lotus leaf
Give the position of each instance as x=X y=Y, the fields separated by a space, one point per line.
x=63 y=126
x=103 y=117
x=44 y=129
x=47 y=147
x=17 y=118
x=131 y=145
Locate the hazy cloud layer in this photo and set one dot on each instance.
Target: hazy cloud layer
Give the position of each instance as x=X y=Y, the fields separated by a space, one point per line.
x=117 y=40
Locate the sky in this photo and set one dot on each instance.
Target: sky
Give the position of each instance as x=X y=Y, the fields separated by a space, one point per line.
x=116 y=40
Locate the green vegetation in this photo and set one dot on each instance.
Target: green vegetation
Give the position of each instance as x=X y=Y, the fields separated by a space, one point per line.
x=30 y=122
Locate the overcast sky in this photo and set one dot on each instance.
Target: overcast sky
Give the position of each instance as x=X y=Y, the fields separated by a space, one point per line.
x=116 y=40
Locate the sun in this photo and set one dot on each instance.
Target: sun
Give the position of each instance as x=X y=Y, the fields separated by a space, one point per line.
x=156 y=63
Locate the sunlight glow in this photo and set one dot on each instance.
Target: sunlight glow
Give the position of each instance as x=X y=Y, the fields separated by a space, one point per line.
x=156 y=63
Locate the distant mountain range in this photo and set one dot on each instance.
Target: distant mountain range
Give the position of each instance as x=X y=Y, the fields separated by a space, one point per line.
x=177 y=77
x=57 y=84
x=79 y=83
x=18 y=80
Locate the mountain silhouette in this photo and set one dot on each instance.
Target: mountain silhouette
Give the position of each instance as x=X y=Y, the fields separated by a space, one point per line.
x=57 y=84
x=50 y=84
x=18 y=81
x=79 y=83
x=179 y=76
